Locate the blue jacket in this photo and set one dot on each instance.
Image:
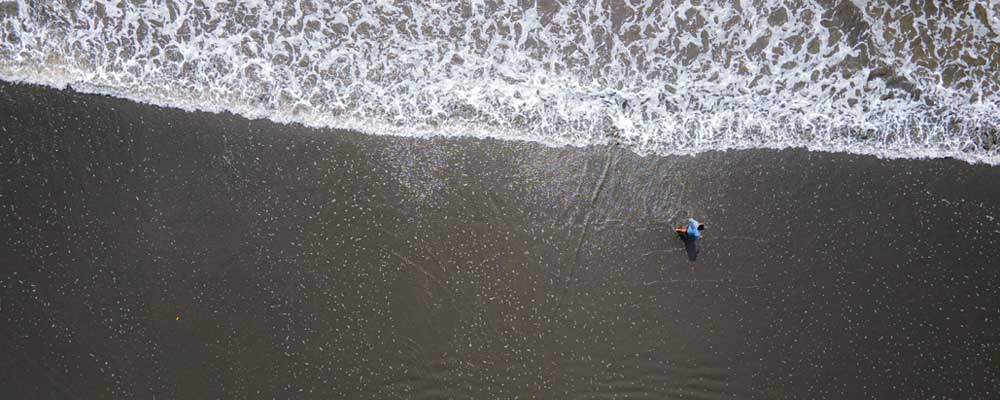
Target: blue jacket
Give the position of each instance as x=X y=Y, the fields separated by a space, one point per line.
x=693 y=229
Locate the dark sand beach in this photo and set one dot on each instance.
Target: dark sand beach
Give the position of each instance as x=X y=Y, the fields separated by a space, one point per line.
x=156 y=253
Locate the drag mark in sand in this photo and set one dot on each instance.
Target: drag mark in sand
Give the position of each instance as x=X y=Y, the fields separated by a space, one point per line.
x=586 y=223
x=422 y=270
x=604 y=176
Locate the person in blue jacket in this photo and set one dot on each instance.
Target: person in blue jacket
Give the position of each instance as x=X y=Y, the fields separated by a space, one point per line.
x=691 y=231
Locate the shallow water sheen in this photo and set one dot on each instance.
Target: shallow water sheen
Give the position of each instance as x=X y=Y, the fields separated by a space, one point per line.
x=908 y=79
x=148 y=252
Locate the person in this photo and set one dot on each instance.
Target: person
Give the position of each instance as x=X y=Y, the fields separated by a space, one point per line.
x=692 y=230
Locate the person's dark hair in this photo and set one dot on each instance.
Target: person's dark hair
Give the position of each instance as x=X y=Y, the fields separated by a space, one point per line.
x=701 y=227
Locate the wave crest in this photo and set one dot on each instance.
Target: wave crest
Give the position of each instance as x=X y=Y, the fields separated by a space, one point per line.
x=669 y=77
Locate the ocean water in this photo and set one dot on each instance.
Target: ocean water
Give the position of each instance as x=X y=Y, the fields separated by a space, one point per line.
x=893 y=79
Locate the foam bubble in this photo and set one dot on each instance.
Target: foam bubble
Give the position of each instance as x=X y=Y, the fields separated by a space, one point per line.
x=674 y=77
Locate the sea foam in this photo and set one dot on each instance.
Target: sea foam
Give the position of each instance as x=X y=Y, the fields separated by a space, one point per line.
x=673 y=77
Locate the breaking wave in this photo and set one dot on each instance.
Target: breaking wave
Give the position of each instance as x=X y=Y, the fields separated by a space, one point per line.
x=670 y=77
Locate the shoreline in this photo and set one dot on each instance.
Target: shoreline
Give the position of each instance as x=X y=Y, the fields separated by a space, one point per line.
x=460 y=133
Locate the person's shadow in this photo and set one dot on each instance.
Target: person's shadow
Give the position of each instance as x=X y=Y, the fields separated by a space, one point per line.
x=691 y=245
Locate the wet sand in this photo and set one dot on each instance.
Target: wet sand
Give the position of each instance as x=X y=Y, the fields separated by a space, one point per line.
x=151 y=252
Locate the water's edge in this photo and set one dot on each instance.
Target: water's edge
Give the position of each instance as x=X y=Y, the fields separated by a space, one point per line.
x=375 y=128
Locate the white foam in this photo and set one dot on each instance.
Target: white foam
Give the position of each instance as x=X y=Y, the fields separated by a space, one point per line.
x=658 y=77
